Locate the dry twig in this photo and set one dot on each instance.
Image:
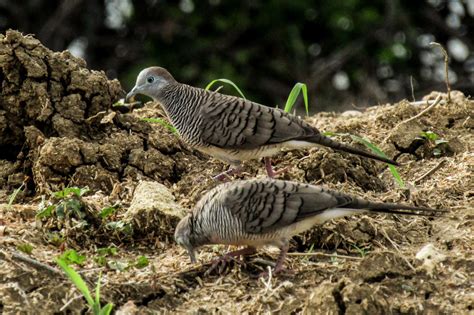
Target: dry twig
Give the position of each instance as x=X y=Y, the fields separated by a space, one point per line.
x=325 y=255
x=31 y=262
x=431 y=171
x=446 y=68
x=427 y=109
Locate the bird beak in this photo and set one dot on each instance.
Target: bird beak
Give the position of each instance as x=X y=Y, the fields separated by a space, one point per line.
x=131 y=94
x=192 y=255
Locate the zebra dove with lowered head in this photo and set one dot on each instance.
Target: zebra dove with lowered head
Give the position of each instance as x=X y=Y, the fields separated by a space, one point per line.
x=230 y=128
x=259 y=212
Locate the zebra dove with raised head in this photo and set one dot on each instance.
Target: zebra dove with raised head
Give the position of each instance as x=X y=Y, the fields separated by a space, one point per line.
x=259 y=212
x=230 y=128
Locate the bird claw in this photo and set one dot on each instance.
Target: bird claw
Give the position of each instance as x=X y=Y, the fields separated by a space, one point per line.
x=225 y=259
x=226 y=176
x=274 y=173
x=270 y=171
x=221 y=263
x=222 y=177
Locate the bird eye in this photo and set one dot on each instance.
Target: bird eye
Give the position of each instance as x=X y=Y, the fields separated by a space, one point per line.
x=150 y=79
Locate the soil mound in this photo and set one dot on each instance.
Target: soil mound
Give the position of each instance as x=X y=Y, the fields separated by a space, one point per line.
x=58 y=126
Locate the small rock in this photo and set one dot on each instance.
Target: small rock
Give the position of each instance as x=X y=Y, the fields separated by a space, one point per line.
x=430 y=256
x=128 y=308
x=351 y=113
x=154 y=211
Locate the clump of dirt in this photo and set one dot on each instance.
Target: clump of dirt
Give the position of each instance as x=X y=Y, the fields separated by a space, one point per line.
x=58 y=128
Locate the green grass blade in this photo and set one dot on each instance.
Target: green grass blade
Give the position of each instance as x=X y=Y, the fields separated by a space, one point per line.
x=97 y=291
x=161 y=122
x=227 y=81
x=106 y=310
x=374 y=149
x=379 y=152
x=295 y=92
x=14 y=195
x=77 y=280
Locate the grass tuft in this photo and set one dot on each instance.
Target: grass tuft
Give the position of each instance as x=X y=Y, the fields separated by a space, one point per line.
x=227 y=81
x=295 y=92
x=77 y=280
x=13 y=196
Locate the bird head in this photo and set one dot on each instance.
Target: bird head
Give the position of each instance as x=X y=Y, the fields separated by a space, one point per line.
x=151 y=82
x=183 y=236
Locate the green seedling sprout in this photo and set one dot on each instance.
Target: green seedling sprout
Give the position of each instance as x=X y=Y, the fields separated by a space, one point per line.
x=295 y=92
x=13 y=196
x=68 y=201
x=77 y=280
x=435 y=139
x=227 y=81
x=25 y=248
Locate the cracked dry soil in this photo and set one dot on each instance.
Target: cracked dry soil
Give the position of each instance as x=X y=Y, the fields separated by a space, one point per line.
x=58 y=128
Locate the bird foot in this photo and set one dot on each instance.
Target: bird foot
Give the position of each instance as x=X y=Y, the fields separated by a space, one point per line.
x=225 y=176
x=222 y=177
x=221 y=263
x=270 y=171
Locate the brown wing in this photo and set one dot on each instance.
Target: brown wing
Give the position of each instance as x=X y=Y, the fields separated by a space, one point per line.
x=267 y=205
x=232 y=122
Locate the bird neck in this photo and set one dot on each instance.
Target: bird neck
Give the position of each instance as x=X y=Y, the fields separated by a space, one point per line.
x=182 y=105
x=199 y=235
x=176 y=99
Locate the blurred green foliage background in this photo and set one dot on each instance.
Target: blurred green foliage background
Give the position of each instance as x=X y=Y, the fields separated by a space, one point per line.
x=346 y=51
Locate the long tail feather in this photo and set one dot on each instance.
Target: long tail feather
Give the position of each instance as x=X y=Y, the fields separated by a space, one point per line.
x=326 y=141
x=394 y=208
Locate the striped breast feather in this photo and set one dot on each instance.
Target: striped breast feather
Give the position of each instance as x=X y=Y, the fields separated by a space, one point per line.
x=232 y=122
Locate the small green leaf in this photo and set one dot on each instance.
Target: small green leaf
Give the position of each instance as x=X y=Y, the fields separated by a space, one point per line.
x=141 y=262
x=107 y=211
x=70 y=190
x=362 y=251
x=107 y=251
x=118 y=265
x=45 y=212
x=440 y=141
x=101 y=260
x=119 y=226
x=162 y=122
x=77 y=280
x=106 y=310
x=72 y=257
x=120 y=102
x=74 y=206
x=25 y=248
x=54 y=238
x=430 y=135
x=227 y=81
x=295 y=92
x=331 y=134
